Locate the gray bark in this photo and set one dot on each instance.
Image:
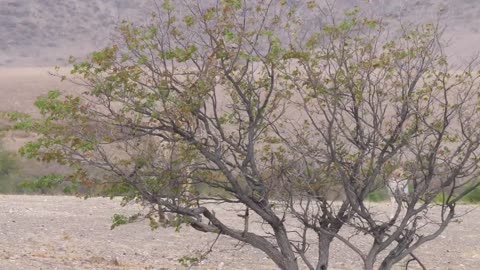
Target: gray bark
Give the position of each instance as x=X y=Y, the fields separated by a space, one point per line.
x=289 y=260
x=323 y=251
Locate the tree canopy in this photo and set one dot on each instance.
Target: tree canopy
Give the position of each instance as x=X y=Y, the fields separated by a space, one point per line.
x=241 y=102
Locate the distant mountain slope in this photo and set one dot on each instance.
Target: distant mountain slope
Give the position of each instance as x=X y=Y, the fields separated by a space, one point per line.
x=46 y=32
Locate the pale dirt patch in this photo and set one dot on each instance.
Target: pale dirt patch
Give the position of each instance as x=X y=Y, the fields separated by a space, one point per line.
x=61 y=232
x=19 y=88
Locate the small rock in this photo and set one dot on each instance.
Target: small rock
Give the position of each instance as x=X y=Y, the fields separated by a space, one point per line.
x=115 y=261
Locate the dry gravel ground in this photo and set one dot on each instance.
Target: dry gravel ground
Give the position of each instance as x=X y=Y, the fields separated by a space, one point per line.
x=44 y=232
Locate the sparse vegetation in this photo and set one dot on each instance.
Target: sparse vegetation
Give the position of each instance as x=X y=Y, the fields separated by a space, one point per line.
x=8 y=171
x=14 y=180
x=189 y=261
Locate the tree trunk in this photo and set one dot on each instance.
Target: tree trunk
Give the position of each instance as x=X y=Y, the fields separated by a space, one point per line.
x=289 y=260
x=390 y=261
x=386 y=265
x=369 y=261
x=324 y=242
x=369 y=264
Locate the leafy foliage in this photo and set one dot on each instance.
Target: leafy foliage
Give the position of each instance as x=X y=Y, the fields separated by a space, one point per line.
x=188 y=261
x=44 y=184
x=119 y=219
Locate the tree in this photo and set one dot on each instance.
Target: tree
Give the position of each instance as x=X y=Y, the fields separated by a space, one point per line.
x=201 y=105
x=374 y=105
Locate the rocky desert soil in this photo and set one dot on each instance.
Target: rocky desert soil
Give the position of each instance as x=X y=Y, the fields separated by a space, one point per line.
x=60 y=232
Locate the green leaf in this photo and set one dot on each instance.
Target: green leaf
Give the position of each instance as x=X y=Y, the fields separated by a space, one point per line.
x=118 y=220
x=188 y=20
x=167 y=5
x=229 y=35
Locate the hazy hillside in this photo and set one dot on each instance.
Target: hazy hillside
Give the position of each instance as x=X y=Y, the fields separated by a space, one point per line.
x=46 y=32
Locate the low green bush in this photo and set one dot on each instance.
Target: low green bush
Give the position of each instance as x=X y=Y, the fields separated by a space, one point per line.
x=381 y=194
x=14 y=179
x=378 y=195
x=9 y=171
x=473 y=196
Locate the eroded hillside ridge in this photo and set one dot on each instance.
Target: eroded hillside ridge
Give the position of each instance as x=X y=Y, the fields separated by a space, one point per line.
x=47 y=32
